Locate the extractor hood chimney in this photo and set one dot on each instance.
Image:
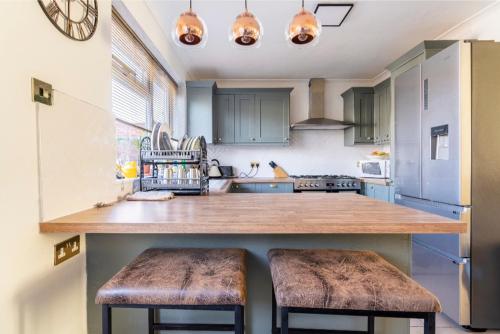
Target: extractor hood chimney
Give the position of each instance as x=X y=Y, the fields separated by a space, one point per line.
x=316 y=117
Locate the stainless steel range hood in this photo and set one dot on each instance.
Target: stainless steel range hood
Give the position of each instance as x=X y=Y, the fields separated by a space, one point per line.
x=316 y=119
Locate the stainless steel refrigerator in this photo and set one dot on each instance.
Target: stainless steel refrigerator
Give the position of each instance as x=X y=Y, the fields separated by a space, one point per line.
x=447 y=161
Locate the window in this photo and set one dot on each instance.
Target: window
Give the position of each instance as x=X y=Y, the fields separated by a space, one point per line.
x=142 y=91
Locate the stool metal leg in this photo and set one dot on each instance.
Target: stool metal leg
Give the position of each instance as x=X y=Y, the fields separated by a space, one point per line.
x=239 y=319
x=274 y=315
x=430 y=323
x=371 y=324
x=284 y=320
x=151 y=320
x=106 y=319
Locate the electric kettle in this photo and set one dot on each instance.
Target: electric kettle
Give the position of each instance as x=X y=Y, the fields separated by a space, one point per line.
x=214 y=170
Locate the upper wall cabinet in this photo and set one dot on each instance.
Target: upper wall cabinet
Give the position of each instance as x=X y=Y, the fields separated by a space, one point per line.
x=237 y=115
x=382 y=112
x=358 y=109
x=200 y=105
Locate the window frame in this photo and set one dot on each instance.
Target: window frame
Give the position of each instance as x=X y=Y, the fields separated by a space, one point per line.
x=151 y=78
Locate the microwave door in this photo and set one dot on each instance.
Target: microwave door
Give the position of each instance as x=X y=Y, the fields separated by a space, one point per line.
x=373 y=169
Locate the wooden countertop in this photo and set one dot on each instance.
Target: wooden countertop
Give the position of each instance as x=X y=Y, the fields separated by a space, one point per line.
x=293 y=213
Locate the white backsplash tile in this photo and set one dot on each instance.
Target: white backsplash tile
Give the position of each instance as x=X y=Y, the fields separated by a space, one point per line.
x=309 y=152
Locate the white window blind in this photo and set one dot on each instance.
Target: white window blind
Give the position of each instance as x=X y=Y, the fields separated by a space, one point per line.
x=142 y=91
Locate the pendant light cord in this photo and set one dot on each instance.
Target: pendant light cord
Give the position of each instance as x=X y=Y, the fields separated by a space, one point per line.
x=190 y=5
x=302 y=4
x=246 y=7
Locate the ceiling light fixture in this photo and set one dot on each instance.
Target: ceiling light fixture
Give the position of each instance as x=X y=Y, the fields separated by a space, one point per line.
x=246 y=29
x=190 y=29
x=304 y=29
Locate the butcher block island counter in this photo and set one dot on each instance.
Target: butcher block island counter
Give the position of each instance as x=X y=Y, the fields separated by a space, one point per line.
x=296 y=213
x=257 y=222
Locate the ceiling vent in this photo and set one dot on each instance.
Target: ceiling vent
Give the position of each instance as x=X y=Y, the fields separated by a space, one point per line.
x=332 y=14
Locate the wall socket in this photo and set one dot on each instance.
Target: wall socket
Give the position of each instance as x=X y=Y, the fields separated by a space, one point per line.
x=66 y=249
x=254 y=164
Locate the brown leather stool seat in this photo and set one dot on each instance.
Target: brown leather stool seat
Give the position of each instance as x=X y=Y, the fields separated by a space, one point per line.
x=204 y=279
x=179 y=277
x=344 y=280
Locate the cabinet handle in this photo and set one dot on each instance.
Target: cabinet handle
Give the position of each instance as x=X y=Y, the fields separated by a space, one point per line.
x=253 y=139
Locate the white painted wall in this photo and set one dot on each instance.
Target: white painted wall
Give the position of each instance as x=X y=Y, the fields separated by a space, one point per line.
x=36 y=297
x=485 y=25
x=310 y=152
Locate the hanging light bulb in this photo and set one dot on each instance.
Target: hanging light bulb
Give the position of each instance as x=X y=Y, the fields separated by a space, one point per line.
x=246 y=29
x=189 y=29
x=304 y=28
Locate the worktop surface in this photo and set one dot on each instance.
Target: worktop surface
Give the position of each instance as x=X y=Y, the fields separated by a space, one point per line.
x=227 y=213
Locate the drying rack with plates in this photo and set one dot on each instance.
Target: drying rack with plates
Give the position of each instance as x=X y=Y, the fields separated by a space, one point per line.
x=182 y=171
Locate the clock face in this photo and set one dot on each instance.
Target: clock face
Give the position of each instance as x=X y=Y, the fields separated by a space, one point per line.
x=77 y=19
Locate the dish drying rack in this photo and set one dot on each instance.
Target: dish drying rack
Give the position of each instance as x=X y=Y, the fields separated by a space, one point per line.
x=158 y=160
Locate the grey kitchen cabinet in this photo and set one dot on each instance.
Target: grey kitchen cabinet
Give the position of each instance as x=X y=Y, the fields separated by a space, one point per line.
x=224 y=119
x=200 y=106
x=274 y=188
x=243 y=187
x=358 y=109
x=268 y=187
x=378 y=191
x=261 y=116
x=382 y=112
x=273 y=117
x=246 y=121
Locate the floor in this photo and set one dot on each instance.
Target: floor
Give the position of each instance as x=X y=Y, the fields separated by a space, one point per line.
x=443 y=326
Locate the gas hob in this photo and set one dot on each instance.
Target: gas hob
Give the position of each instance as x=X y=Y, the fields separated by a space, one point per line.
x=328 y=183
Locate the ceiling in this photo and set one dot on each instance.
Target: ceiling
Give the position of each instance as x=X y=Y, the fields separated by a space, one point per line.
x=374 y=34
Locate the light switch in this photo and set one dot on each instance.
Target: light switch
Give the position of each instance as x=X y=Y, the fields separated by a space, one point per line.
x=41 y=91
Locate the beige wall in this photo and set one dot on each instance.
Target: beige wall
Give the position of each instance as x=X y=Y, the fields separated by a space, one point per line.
x=36 y=297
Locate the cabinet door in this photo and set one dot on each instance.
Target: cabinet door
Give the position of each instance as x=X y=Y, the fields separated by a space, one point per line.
x=385 y=114
x=377 y=106
x=199 y=113
x=365 y=109
x=243 y=187
x=272 y=112
x=381 y=192
x=224 y=115
x=246 y=120
x=275 y=187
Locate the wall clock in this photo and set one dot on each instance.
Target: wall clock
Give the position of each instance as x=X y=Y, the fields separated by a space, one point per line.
x=76 y=19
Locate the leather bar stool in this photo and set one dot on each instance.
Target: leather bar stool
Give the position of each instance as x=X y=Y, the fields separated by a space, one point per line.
x=187 y=279
x=355 y=283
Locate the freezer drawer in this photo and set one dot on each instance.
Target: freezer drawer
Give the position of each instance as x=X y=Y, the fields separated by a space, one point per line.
x=407 y=133
x=457 y=245
x=449 y=280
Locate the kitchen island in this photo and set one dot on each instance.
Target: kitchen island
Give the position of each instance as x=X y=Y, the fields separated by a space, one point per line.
x=256 y=222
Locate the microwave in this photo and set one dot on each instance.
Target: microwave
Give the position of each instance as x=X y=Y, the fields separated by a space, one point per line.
x=380 y=169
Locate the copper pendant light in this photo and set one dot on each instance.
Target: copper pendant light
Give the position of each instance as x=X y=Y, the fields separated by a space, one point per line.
x=246 y=30
x=190 y=30
x=304 y=28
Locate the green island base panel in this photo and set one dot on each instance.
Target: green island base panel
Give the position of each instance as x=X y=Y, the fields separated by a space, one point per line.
x=108 y=253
